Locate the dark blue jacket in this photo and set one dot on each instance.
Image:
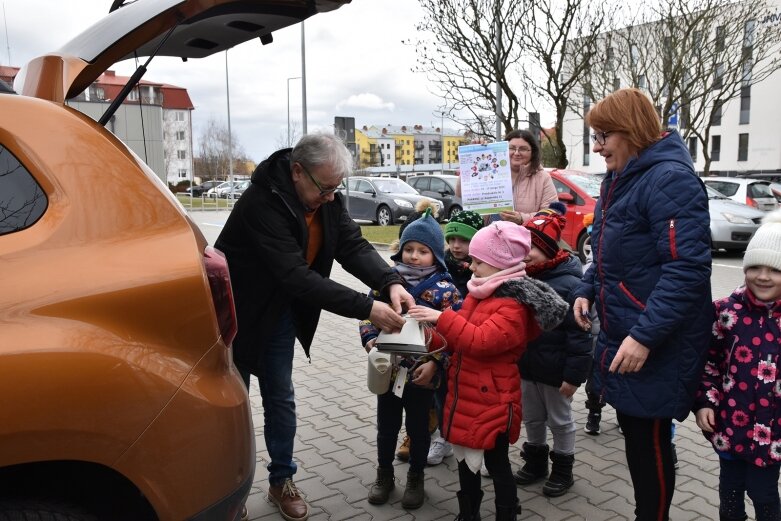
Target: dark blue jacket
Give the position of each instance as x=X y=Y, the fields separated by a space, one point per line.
x=564 y=353
x=651 y=280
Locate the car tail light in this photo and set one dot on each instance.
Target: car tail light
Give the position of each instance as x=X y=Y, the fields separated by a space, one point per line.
x=222 y=294
x=751 y=202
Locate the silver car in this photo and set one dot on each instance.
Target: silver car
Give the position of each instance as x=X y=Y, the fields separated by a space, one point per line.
x=383 y=200
x=750 y=191
x=732 y=224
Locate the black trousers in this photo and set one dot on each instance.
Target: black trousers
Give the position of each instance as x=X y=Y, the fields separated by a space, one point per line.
x=649 y=457
x=738 y=477
x=497 y=461
x=415 y=402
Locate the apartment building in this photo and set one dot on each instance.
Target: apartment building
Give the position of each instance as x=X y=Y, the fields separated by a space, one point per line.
x=391 y=145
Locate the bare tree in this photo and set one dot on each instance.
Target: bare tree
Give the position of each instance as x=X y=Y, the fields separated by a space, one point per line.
x=285 y=140
x=691 y=57
x=213 y=161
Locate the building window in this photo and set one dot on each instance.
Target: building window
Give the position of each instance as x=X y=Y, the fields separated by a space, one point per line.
x=181 y=154
x=642 y=82
x=133 y=96
x=586 y=154
x=718 y=76
x=180 y=135
x=693 y=148
x=742 y=147
x=179 y=115
x=745 y=105
x=182 y=173
x=616 y=83
x=715 y=148
x=721 y=36
x=715 y=117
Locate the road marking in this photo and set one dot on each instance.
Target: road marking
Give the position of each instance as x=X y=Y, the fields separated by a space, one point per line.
x=729 y=266
x=214 y=224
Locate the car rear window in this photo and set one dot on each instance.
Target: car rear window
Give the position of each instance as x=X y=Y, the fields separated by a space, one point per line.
x=759 y=190
x=728 y=189
x=22 y=201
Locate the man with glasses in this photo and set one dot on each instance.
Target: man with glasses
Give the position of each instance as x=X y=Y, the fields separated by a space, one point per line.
x=281 y=240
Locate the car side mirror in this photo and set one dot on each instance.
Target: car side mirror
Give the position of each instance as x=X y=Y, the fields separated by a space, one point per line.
x=566 y=198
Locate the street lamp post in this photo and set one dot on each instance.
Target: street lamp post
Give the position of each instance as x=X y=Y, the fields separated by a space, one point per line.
x=288 y=106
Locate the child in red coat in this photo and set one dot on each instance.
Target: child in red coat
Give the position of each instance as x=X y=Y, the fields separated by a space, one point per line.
x=503 y=311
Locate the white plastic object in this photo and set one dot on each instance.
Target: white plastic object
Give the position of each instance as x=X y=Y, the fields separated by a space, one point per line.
x=379 y=371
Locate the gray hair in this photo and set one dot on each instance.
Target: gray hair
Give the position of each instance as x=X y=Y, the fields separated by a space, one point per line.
x=321 y=148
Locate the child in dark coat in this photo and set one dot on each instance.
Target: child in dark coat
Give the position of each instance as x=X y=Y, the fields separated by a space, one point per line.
x=554 y=365
x=420 y=262
x=738 y=404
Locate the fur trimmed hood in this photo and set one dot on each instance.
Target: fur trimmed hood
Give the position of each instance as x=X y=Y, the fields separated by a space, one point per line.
x=549 y=308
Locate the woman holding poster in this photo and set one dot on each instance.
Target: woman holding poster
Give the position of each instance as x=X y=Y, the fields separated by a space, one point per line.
x=533 y=188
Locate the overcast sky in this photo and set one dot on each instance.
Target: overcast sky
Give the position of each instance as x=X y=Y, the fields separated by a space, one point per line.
x=356 y=65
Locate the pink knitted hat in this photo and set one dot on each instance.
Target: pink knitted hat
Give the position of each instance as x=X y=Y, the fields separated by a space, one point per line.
x=501 y=244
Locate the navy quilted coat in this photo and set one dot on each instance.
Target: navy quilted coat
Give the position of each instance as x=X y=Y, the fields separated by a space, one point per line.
x=651 y=280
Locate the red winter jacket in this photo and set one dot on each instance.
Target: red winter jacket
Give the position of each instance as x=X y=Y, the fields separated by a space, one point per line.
x=487 y=337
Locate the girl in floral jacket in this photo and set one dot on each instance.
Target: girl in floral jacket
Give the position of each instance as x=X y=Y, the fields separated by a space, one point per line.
x=738 y=405
x=502 y=312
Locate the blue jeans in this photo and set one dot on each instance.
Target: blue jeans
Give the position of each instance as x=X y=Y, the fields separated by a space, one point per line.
x=278 y=396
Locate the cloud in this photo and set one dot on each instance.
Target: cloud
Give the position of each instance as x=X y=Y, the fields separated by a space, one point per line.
x=365 y=100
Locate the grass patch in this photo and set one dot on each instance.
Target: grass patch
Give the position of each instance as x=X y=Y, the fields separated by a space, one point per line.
x=203 y=203
x=383 y=234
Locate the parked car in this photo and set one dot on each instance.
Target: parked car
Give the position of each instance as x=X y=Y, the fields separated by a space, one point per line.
x=120 y=398
x=732 y=224
x=440 y=187
x=199 y=190
x=383 y=200
x=753 y=192
x=221 y=190
x=237 y=190
x=579 y=191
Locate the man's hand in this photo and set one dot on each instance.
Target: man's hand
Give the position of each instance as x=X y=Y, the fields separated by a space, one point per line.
x=400 y=298
x=582 y=314
x=630 y=358
x=706 y=419
x=383 y=317
x=567 y=389
x=424 y=314
x=424 y=373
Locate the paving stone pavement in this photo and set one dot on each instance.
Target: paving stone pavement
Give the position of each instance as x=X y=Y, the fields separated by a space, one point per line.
x=335 y=451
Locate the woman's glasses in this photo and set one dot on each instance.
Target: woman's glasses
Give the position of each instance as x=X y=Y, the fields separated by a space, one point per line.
x=600 y=137
x=518 y=150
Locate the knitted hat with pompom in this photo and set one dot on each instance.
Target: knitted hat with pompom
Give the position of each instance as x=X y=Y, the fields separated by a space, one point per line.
x=764 y=248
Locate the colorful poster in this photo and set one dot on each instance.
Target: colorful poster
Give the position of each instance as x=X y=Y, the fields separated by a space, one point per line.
x=486 y=183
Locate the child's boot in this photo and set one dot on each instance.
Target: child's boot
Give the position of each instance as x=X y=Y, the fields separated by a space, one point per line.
x=560 y=479
x=413 y=491
x=592 y=422
x=469 y=506
x=508 y=512
x=536 y=466
x=382 y=486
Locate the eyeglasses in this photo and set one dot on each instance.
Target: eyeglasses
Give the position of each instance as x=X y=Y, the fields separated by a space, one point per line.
x=323 y=191
x=517 y=150
x=600 y=137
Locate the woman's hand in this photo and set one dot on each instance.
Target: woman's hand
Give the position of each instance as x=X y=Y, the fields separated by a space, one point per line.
x=567 y=389
x=424 y=373
x=630 y=358
x=424 y=314
x=706 y=419
x=581 y=308
x=515 y=217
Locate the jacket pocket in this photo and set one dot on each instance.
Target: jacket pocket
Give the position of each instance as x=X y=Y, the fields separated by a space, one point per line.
x=636 y=301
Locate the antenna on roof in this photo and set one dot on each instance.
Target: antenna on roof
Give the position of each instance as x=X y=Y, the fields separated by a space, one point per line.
x=7 y=45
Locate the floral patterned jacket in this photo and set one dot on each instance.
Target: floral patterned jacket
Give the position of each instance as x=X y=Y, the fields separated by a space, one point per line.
x=740 y=380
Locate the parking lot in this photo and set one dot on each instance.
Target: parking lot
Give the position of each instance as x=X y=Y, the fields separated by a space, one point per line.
x=336 y=454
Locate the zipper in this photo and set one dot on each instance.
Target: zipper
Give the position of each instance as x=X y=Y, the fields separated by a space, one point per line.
x=671 y=234
x=598 y=260
x=629 y=294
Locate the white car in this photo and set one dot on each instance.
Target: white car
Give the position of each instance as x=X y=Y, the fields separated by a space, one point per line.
x=753 y=192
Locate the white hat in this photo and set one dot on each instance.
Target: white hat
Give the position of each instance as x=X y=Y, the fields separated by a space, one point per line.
x=764 y=248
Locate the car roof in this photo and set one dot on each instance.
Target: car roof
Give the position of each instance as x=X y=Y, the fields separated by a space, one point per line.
x=179 y=28
x=736 y=180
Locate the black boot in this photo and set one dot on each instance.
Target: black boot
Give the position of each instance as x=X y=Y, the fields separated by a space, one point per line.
x=592 y=422
x=508 y=512
x=382 y=486
x=413 y=491
x=468 y=506
x=560 y=479
x=536 y=466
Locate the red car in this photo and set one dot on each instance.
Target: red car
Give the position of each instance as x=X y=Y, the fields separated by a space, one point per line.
x=579 y=191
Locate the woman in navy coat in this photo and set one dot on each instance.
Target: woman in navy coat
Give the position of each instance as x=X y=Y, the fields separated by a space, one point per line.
x=650 y=281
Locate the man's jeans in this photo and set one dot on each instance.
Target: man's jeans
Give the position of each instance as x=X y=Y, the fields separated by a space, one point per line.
x=279 y=405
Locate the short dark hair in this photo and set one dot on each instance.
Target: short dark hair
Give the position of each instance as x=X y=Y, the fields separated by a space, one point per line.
x=534 y=163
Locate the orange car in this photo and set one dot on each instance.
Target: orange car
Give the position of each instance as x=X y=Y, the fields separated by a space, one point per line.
x=119 y=398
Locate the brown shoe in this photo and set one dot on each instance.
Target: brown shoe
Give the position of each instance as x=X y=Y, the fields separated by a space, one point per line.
x=403 y=452
x=290 y=503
